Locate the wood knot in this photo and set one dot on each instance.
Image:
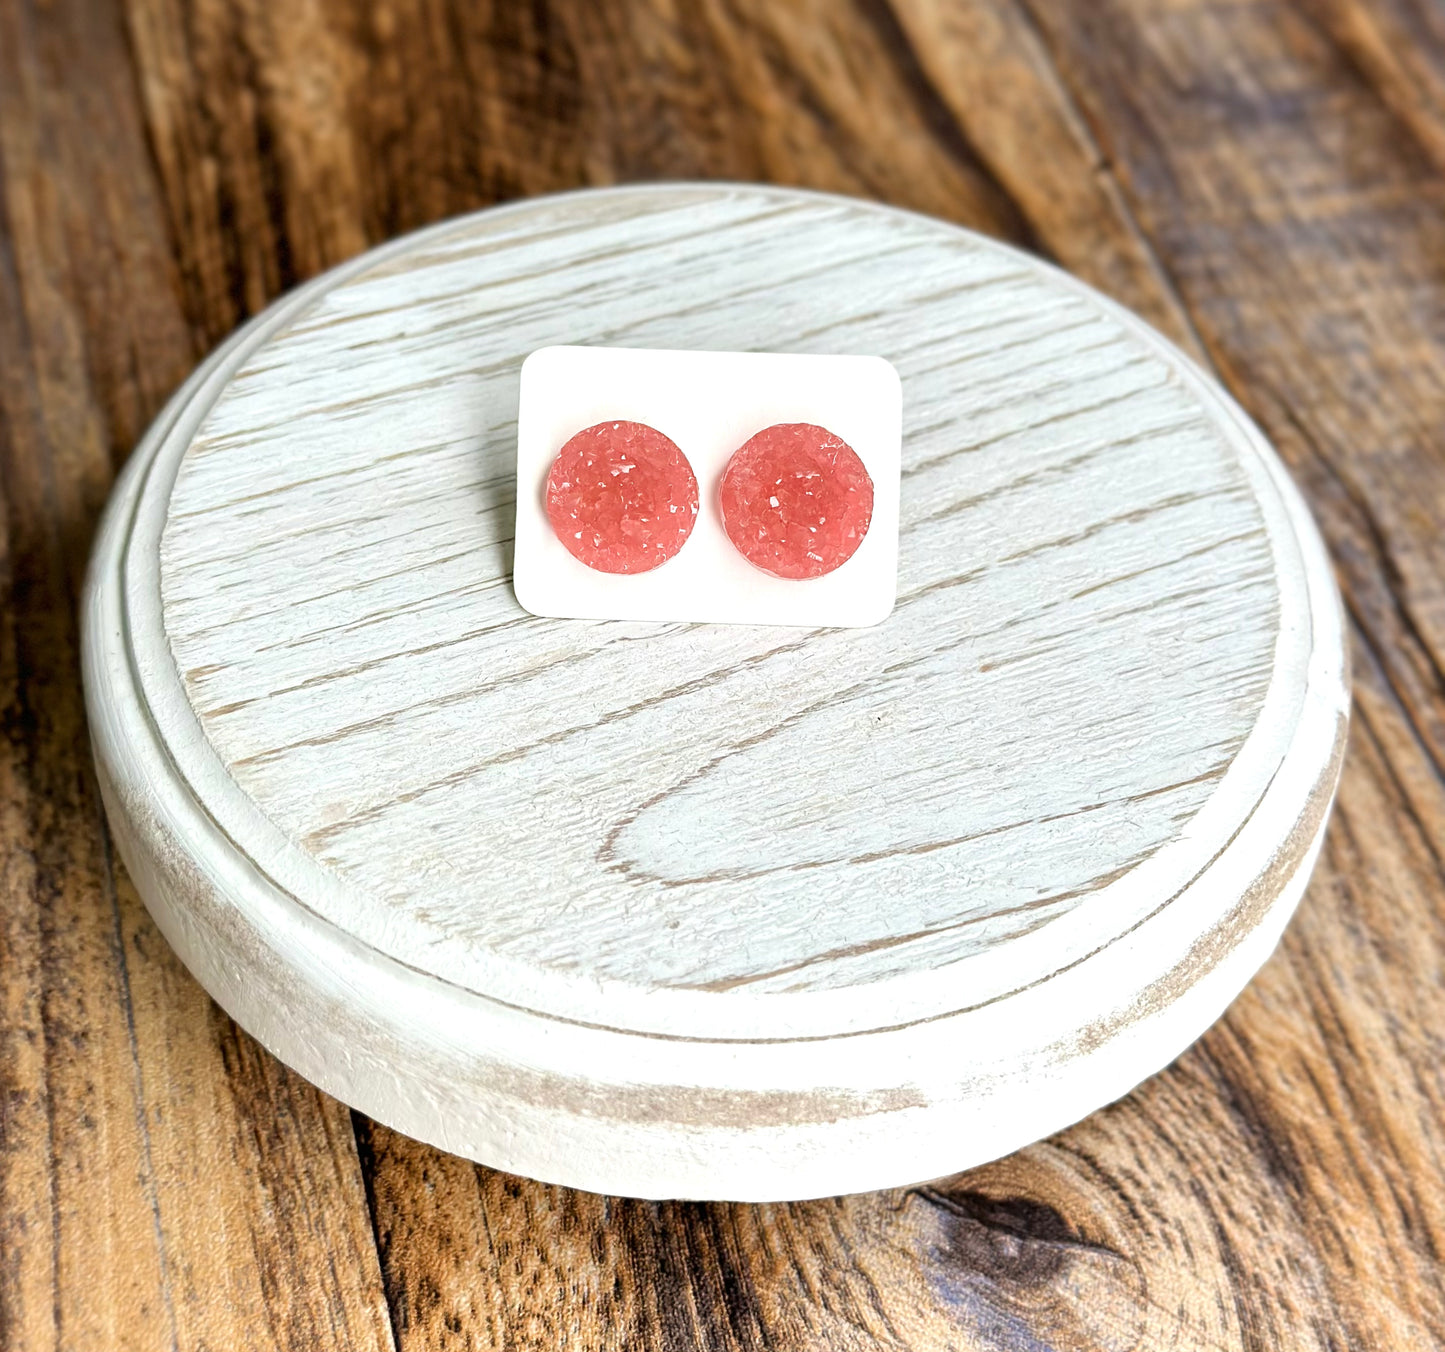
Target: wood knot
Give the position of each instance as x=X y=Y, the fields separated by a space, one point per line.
x=1011 y=1239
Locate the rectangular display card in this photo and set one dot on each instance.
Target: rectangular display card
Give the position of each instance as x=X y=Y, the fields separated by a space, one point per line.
x=709 y=404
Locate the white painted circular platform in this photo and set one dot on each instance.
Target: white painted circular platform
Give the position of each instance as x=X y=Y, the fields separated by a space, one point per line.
x=695 y=910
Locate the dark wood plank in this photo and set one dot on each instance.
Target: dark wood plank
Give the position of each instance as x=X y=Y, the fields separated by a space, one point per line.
x=1262 y=180
x=1307 y=242
x=286 y=136
x=162 y=1182
x=82 y=1257
x=1398 y=46
x=1303 y=224
x=476 y=1258
x=990 y=70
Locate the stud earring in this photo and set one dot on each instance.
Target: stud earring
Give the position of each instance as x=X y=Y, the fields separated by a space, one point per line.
x=621 y=497
x=796 y=500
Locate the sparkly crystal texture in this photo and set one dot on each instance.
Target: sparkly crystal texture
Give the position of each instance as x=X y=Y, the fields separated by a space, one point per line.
x=796 y=501
x=621 y=497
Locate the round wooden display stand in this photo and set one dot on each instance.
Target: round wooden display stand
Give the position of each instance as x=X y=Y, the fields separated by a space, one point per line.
x=704 y=910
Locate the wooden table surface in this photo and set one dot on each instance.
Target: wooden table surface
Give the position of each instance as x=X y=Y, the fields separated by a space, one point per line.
x=1265 y=181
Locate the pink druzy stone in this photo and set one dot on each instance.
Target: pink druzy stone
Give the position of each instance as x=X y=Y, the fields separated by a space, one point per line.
x=796 y=500
x=622 y=497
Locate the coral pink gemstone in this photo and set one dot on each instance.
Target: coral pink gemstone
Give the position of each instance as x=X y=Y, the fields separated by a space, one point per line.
x=796 y=500
x=622 y=497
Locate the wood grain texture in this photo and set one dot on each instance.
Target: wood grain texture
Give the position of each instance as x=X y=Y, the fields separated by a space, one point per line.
x=1278 y=1188
x=160 y=1184
x=357 y=671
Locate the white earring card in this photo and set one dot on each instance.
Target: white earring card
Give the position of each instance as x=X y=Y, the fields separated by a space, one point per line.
x=709 y=404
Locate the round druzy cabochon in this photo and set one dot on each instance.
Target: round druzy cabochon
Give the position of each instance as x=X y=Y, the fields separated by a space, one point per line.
x=796 y=500
x=621 y=497
x=714 y=910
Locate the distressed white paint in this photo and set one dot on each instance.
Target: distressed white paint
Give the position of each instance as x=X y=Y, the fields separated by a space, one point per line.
x=700 y=910
x=709 y=403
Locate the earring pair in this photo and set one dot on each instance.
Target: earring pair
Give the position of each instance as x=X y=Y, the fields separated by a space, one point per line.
x=795 y=500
